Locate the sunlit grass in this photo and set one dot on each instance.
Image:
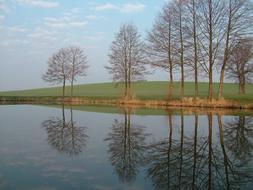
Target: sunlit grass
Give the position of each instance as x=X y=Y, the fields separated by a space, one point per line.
x=142 y=90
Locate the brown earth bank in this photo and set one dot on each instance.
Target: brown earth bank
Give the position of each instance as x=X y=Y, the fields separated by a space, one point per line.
x=161 y=104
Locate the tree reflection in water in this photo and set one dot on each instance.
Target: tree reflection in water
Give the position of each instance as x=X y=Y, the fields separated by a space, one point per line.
x=65 y=136
x=126 y=147
x=199 y=162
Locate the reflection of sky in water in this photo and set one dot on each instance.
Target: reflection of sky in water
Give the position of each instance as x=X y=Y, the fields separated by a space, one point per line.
x=27 y=161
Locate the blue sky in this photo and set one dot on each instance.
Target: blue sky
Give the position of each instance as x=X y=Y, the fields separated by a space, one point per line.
x=31 y=30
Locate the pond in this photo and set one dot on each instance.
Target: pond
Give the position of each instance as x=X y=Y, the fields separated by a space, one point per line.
x=51 y=148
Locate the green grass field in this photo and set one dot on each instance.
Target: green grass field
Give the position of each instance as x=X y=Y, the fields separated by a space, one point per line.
x=142 y=90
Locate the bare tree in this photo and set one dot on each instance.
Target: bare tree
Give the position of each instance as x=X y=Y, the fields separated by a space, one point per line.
x=193 y=49
x=57 y=71
x=240 y=66
x=239 y=23
x=178 y=9
x=211 y=23
x=159 y=47
x=78 y=64
x=126 y=57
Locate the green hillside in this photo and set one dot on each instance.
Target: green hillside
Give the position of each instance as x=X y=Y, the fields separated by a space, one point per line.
x=142 y=90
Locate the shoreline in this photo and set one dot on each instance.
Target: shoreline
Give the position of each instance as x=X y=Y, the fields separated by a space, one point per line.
x=159 y=104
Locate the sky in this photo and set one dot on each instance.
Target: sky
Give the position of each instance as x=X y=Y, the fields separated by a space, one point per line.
x=32 y=30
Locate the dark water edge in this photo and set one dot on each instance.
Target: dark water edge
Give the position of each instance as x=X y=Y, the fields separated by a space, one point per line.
x=68 y=147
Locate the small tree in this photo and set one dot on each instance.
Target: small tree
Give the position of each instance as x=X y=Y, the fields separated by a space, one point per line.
x=240 y=64
x=126 y=57
x=58 y=69
x=78 y=64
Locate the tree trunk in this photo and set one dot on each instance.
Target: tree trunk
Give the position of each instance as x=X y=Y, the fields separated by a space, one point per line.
x=63 y=89
x=170 y=64
x=181 y=51
x=195 y=50
x=72 y=84
x=220 y=93
x=226 y=53
x=210 y=90
x=243 y=85
x=171 y=83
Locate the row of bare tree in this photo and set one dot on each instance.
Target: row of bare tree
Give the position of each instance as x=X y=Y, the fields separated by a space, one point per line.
x=189 y=36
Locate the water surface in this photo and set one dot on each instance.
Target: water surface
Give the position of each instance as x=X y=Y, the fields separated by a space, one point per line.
x=47 y=148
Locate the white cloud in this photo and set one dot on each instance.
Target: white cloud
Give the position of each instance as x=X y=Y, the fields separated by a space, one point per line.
x=14 y=42
x=128 y=8
x=95 y=37
x=39 y=3
x=106 y=6
x=125 y=8
x=17 y=29
x=77 y=23
x=3 y=7
x=95 y=17
x=40 y=32
x=62 y=22
x=91 y=17
x=1 y=18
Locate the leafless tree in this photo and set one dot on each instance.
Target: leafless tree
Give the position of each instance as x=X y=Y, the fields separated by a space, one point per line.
x=211 y=22
x=193 y=49
x=126 y=57
x=159 y=44
x=240 y=63
x=78 y=64
x=239 y=24
x=58 y=69
x=178 y=9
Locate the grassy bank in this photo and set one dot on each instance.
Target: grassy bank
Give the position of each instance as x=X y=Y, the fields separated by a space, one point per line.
x=155 y=90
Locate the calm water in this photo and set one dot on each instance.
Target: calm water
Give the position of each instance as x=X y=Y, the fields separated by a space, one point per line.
x=44 y=148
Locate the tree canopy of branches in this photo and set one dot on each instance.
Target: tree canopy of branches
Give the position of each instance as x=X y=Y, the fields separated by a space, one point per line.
x=238 y=16
x=58 y=69
x=78 y=64
x=159 y=44
x=240 y=63
x=194 y=35
x=126 y=57
x=66 y=65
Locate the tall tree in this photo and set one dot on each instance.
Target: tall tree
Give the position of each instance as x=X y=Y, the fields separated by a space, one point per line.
x=211 y=23
x=239 y=23
x=192 y=6
x=159 y=43
x=240 y=63
x=126 y=57
x=57 y=71
x=178 y=8
x=78 y=64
